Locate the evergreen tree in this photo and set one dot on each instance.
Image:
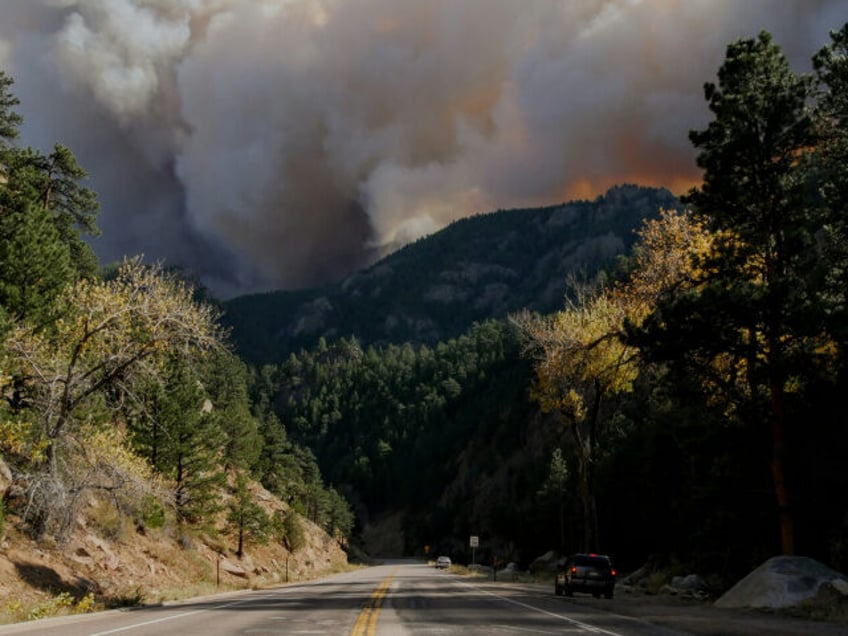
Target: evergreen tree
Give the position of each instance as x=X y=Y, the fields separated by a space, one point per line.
x=751 y=324
x=340 y=519
x=34 y=265
x=43 y=209
x=183 y=441
x=831 y=65
x=74 y=207
x=51 y=182
x=10 y=121
x=225 y=380
x=249 y=521
x=278 y=467
x=289 y=530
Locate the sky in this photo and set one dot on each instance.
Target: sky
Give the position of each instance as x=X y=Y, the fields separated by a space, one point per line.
x=279 y=144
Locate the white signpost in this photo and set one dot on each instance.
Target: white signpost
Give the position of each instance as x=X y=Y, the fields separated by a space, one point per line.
x=474 y=542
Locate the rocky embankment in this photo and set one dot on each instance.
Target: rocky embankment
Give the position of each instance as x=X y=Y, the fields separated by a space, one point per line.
x=108 y=562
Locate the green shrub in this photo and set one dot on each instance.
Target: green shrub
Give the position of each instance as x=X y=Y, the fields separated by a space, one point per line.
x=152 y=513
x=288 y=530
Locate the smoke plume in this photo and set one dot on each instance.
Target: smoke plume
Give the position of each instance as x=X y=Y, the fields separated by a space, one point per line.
x=272 y=144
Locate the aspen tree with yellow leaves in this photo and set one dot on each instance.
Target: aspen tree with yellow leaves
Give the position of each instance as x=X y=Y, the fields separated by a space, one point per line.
x=66 y=385
x=583 y=358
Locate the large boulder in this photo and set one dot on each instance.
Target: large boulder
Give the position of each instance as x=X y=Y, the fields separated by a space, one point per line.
x=689 y=583
x=231 y=568
x=689 y=586
x=782 y=582
x=545 y=563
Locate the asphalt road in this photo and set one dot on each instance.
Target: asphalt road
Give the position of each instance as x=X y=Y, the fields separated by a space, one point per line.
x=406 y=597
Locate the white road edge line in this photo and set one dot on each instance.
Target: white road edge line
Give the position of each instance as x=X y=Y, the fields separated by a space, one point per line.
x=164 y=619
x=586 y=626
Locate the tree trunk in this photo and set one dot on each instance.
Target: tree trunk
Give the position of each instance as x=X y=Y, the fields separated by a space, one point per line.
x=781 y=491
x=52 y=460
x=561 y=524
x=594 y=415
x=179 y=490
x=583 y=487
x=775 y=361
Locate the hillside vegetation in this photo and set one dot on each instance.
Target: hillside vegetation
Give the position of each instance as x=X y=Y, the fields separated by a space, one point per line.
x=107 y=562
x=482 y=267
x=130 y=452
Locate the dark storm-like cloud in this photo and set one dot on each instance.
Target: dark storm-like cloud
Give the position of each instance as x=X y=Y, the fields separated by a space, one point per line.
x=281 y=143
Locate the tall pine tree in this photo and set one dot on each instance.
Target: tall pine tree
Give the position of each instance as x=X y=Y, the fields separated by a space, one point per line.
x=180 y=437
x=831 y=65
x=751 y=325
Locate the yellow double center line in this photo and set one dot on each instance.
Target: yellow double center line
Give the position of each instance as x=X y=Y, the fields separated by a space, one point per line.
x=366 y=623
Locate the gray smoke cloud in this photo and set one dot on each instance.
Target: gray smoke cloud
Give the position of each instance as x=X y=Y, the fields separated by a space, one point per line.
x=271 y=144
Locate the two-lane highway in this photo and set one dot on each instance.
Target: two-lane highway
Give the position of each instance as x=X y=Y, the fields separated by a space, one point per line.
x=397 y=598
x=424 y=601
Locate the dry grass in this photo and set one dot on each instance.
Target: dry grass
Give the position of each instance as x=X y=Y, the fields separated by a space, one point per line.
x=109 y=563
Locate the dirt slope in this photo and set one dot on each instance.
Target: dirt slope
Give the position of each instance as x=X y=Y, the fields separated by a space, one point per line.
x=111 y=564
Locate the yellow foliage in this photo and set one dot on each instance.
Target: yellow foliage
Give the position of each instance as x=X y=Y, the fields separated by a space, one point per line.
x=20 y=437
x=582 y=348
x=112 y=331
x=86 y=604
x=667 y=259
x=72 y=375
x=109 y=446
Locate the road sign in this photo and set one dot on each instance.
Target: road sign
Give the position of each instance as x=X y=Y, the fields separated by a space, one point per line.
x=475 y=541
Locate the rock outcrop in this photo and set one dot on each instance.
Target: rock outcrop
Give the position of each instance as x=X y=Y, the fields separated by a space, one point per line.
x=783 y=582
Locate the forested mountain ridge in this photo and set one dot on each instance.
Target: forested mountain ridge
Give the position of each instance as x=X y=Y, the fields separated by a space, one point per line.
x=481 y=267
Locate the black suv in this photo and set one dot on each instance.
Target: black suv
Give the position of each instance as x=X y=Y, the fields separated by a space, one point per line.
x=591 y=573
